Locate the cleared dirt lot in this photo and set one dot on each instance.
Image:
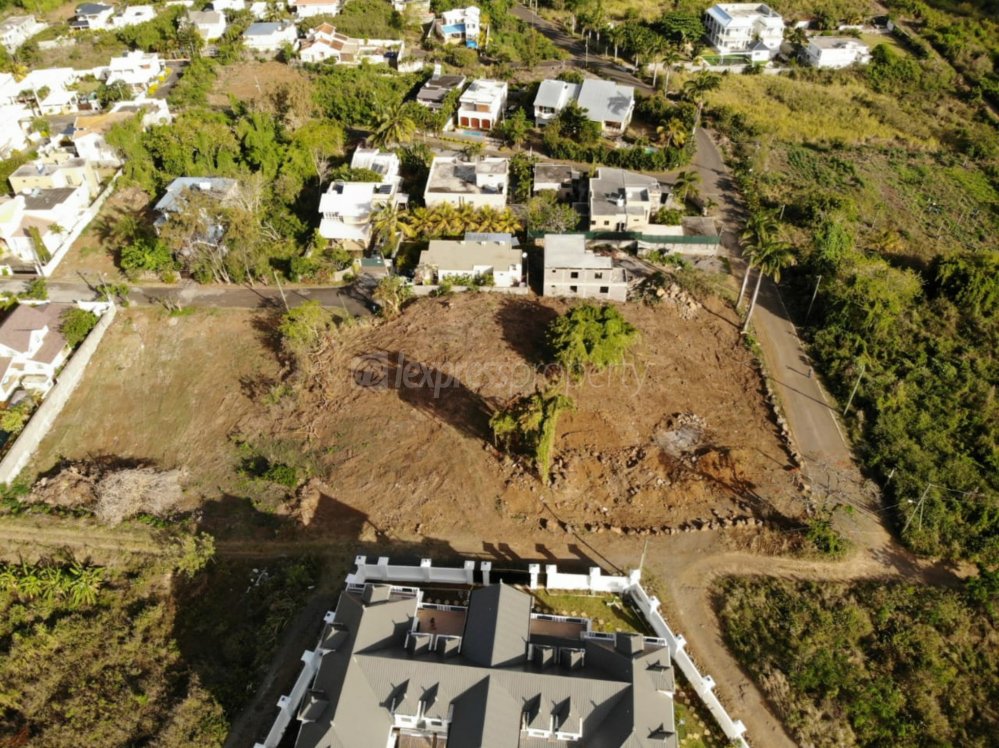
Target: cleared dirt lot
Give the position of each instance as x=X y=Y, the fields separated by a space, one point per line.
x=411 y=456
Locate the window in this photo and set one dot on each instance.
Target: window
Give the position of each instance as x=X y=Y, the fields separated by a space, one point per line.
x=574 y=274
x=573 y=289
x=605 y=289
x=598 y=276
x=606 y=223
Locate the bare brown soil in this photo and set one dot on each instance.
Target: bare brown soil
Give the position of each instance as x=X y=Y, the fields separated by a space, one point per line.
x=395 y=418
x=252 y=81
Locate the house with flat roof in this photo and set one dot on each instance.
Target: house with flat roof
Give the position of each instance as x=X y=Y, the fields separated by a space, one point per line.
x=346 y=207
x=836 y=52
x=32 y=348
x=16 y=30
x=210 y=24
x=92 y=17
x=270 y=37
x=394 y=671
x=136 y=69
x=460 y=26
x=622 y=200
x=752 y=29
x=481 y=105
x=438 y=86
x=460 y=181
x=69 y=172
x=326 y=43
x=562 y=179
x=89 y=141
x=132 y=15
x=573 y=271
x=609 y=104
x=309 y=8
x=13 y=137
x=475 y=256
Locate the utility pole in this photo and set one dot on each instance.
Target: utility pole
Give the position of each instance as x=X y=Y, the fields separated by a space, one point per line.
x=854 y=391
x=283 y=297
x=919 y=508
x=814 y=294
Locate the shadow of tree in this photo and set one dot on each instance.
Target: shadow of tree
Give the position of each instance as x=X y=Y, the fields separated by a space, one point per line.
x=524 y=323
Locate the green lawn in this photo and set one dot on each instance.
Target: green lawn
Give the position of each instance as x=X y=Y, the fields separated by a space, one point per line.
x=608 y=612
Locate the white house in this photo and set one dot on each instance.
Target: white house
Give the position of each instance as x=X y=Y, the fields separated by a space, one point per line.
x=32 y=348
x=577 y=272
x=18 y=233
x=154 y=111
x=16 y=30
x=836 y=52
x=476 y=255
x=481 y=105
x=325 y=43
x=347 y=207
x=270 y=37
x=137 y=69
x=309 y=8
x=458 y=181
x=460 y=26
x=752 y=29
x=12 y=135
x=60 y=98
x=210 y=24
x=233 y=5
x=88 y=137
x=609 y=104
x=132 y=15
x=92 y=17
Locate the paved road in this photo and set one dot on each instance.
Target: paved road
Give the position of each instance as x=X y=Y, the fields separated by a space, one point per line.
x=192 y=294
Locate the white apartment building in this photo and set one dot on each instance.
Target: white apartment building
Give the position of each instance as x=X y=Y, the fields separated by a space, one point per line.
x=753 y=29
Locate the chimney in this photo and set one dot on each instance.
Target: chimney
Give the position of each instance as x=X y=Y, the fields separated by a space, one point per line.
x=437 y=71
x=629 y=644
x=376 y=593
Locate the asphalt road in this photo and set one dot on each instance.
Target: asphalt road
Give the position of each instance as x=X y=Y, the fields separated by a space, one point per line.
x=194 y=295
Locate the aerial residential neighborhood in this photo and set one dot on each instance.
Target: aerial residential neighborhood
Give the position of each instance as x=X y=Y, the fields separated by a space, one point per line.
x=417 y=373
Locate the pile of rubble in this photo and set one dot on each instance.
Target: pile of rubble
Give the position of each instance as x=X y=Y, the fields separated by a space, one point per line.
x=685 y=304
x=681 y=434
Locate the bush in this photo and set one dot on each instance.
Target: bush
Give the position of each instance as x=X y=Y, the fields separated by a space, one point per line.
x=36 y=290
x=590 y=336
x=284 y=475
x=76 y=324
x=528 y=425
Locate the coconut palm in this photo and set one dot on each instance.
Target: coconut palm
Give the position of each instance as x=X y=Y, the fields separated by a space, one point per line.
x=670 y=57
x=697 y=88
x=386 y=223
x=395 y=125
x=672 y=133
x=774 y=255
x=685 y=185
x=760 y=229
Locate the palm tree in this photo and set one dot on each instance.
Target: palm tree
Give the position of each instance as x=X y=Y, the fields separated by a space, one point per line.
x=760 y=229
x=670 y=58
x=84 y=585
x=672 y=133
x=416 y=222
x=385 y=223
x=774 y=255
x=697 y=88
x=395 y=125
x=685 y=185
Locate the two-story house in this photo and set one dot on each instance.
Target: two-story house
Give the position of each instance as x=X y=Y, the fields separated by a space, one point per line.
x=752 y=29
x=460 y=26
x=836 y=52
x=270 y=36
x=482 y=104
x=32 y=348
x=459 y=181
x=16 y=30
x=609 y=104
x=92 y=17
x=622 y=200
x=210 y=24
x=574 y=271
x=136 y=69
x=346 y=207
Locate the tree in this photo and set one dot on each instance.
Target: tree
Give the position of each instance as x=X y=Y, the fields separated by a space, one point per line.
x=386 y=223
x=392 y=293
x=514 y=128
x=14 y=419
x=760 y=229
x=85 y=583
x=108 y=94
x=320 y=140
x=529 y=425
x=670 y=58
x=37 y=290
x=774 y=256
x=682 y=27
x=573 y=123
x=395 y=124
x=76 y=324
x=672 y=133
x=546 y=214
x=696 y=89
x=146 y=254
x=193 y=553
x=303 y=326
x=590 y=336
x=685 y=185
x=797 y=38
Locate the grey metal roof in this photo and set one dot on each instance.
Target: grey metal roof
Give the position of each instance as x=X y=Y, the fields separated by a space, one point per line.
x=91 y=9
x=221 y=187
x=605 y=100
x=264 y=28
x=556 y=94
x=47 y=198
x=620 y=696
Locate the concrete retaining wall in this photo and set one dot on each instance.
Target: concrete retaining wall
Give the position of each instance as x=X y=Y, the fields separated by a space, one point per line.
x=66 y=381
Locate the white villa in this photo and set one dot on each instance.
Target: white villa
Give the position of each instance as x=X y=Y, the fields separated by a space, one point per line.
x=92 y=17
x=460 y=26
x=458 y=181
x=836 y=52
x=481 y=105
x=751 y=29
x=347 y=207
x=210 y=24
x=325 y=43
x=16 y=30
x=609 y=104
x=137 y=69
x=133 y=15
x=476 y=255
x=308 y=8
x=31 y=348
x=270 y=37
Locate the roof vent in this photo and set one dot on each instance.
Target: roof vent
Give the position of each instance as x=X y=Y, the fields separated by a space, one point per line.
x=448 y=646
x=419 y=643
x=376 y=593
x=572 y=658
x=543 y=655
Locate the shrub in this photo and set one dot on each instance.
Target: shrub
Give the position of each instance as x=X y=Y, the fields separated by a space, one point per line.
x=76 y=324
x=590 y=336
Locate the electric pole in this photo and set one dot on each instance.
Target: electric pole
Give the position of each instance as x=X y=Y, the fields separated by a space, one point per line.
x=854 y=391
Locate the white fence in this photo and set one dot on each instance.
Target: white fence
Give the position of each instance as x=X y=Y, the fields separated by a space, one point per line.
x=382 y=571
x=594 y=581
x=703 y=685
x=43 y=418
x=288 y=705
x=85 y=218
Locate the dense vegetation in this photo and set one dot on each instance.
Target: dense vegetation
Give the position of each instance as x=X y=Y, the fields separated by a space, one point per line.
x=888 y=186
x=590 y=337
x=868 y=664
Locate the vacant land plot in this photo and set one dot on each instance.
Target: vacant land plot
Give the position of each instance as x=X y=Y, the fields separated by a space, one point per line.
x=199 y=392
x=167 y=391
x=254 y=81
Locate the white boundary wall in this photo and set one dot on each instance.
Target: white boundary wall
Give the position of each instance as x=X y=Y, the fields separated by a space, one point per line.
x=703 y=684
x=43 y=418
x=594 y=581
x=382 y=571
